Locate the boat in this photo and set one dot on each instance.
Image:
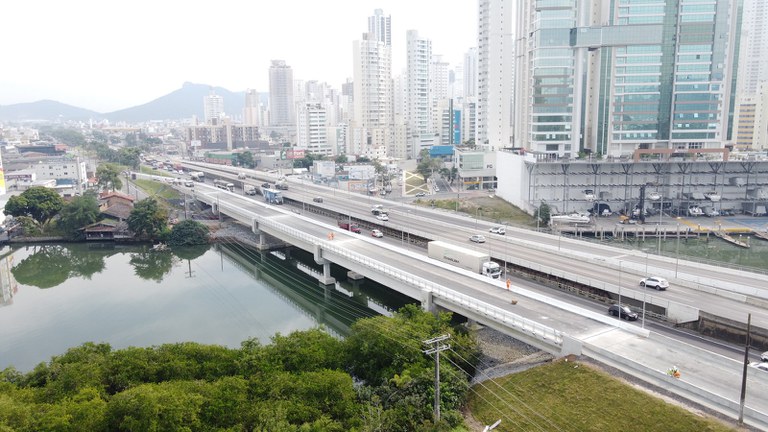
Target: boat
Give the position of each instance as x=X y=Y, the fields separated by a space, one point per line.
x=712 y=196
x=571 y=218
x=761 y=235
x=654 y=196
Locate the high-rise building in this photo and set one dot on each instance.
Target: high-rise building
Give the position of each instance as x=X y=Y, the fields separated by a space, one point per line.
x=380 y=27
x=754 y=44
x=213 y=105
x=470 y=73
x=312 y=134
x=495 y=73
x=372 y=81
x=281 y=104
x=252 y=108
x=613 y=77
x=418 y=101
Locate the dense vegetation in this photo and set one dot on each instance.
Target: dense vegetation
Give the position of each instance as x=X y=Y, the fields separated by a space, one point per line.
x=378 y=379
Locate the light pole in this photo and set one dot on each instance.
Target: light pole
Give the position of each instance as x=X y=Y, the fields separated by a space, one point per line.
x=677 y=252
x=658 y=231
x=477 y=212
x=645 y=289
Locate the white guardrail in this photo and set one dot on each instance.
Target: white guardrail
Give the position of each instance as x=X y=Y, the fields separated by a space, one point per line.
x=541 y=332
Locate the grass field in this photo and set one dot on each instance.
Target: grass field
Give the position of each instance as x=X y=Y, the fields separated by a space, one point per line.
x=571 y=396
x=485 y=208
x=158 y=189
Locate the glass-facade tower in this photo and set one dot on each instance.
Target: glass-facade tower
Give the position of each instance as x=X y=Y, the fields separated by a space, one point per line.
x=617 y=75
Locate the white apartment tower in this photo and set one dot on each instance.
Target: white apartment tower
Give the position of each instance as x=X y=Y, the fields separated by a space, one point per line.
x=312 y=131
x=418 y=100
x=281 y=104
x=252 y=108
x=372 y=86
x=754 y=45
x=495 y=73
x=470 y=73
x=213 y=105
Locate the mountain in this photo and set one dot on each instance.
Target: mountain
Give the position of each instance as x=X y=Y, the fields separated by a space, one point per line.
x=182 y=103
x=45 y=110
x=179 y=104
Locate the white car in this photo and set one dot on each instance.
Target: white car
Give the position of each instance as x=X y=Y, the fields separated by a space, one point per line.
x=654 y=282
x=498 y=230
x=477 y=238
x=763 y=366
x=764 y=356
x=376 y=233
x=382 y=217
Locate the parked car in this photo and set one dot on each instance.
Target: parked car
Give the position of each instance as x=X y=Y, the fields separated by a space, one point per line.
x=376 y=233
x=421 y=194
x=764 y=356
x=317 y=199
x=477 y=238
x=498 y=230
x=623 y=311
x=655 y=282
x=763 y=366
x=382 y=217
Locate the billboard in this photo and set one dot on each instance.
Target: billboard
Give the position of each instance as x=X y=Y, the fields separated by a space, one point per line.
x=292 y=154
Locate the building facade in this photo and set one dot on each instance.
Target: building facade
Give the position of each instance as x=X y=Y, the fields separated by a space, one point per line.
x=281 y=102
x=609 y=77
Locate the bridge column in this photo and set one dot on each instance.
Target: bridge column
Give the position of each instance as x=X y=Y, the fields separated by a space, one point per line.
x=426 y=301
x=326 y=277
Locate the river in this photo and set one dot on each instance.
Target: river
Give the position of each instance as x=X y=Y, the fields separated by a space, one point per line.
x=59 y=296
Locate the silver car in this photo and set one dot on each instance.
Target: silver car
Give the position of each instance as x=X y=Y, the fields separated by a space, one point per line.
x=477 y=238
x=655 y=282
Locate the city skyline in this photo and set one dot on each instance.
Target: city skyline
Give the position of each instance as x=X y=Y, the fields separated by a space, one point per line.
x=106 y=59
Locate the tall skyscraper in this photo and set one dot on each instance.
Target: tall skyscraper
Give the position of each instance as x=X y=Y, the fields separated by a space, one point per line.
x=281 y=104
x=619 y=76
x=419 y=52
x=754 y=43
x=372 y=80
x=470 y=73
x=495 y=73
x=213 y=105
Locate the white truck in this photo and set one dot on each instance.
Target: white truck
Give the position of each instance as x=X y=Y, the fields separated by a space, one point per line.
x=198 y=176
x=465 y=258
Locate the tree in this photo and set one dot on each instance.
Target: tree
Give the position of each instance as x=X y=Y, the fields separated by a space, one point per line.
x=188 y=233
x=245 y=159
x=543 y=212
x=129 y=156
x=342 y=158
x=147 y=219
x=78 y=213
x=109 y=177
x=39 y=203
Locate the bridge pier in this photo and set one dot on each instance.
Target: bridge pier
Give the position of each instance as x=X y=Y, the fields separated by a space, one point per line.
x=426 y=302
x=326 y=278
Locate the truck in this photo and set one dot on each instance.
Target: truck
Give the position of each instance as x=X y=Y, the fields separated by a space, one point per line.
x=272 y=196
x=350 y=227
x=223 y=184
x=468 y=259
x=197 y=176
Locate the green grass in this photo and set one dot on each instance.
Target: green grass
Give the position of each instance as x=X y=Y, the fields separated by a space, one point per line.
x=495 y=209
x=571 y=396
x=157 y=189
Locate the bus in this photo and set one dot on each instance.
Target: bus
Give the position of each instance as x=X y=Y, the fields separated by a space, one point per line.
x=223 y=184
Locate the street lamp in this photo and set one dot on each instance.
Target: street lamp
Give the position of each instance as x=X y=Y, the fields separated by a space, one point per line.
x=476 y=214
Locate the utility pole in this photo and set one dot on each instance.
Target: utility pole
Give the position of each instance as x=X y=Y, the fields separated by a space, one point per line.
x=436 y=348
x=744 y=372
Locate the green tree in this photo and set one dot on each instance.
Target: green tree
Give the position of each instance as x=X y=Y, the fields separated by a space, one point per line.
x=39 y=203
x=245 y=159
x=109 y=177
x=147 y=218
x=188 y=233
x=129 y=156
x=364 y=159
x=78 y=213
x=340 y=159
x=543 y=212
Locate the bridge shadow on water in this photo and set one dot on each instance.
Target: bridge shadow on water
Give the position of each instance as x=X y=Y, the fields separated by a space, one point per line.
x=335 y=306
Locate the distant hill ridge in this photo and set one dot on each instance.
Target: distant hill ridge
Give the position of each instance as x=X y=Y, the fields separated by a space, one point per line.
x=179 y=104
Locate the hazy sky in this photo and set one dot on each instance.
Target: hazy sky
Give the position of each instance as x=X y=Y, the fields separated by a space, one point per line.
x=109 y=55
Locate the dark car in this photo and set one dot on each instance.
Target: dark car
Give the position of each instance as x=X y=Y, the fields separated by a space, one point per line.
x=625 y=311
x=317 y=199
x=265 y=185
